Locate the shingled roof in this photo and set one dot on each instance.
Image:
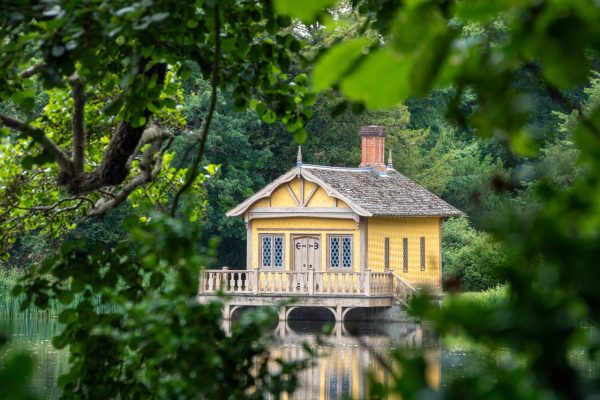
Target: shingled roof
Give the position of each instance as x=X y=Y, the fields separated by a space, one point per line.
x=367 y=191
x=384 y=194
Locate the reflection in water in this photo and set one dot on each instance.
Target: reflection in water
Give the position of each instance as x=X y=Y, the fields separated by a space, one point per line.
x=35 y=336
x=338 y=373
x=340 y=369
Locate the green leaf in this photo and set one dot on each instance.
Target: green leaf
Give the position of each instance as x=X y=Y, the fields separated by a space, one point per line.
x=305 y=10
x=137 y=122
x=300 y=136
x=301 y=79
x=333 y=64
x=65 y=297
x=268 y=116
x=67 y=316
x=25 y=99
x=212 y=169
x=169 y=104
x=381 y=81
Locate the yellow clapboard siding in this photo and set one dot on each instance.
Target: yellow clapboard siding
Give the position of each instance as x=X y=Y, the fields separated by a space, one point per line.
x=398 y=228
x=300 y=226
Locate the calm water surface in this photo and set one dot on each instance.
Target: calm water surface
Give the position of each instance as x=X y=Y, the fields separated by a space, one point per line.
x=338 y=373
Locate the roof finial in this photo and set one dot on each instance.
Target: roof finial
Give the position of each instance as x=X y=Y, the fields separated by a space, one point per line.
x=299 y=157
x=390 y=164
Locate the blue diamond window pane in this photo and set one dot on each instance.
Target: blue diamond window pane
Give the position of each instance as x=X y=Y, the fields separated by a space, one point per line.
x=266 y=253
x=347 y=252
x=345 y=389
x=278 y=248
x=335 y=252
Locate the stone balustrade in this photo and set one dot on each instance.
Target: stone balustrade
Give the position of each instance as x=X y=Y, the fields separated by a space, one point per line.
x=305 y=283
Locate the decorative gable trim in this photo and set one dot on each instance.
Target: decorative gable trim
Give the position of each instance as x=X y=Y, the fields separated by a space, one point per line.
x=285 y=179
x=261 y=194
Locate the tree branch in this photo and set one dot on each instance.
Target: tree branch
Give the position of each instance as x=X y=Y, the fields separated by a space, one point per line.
x=29 y=72
x=77 y=91
x=114 y=168
x=65 y=164
x=193 y=172
x=150 y=167
x=59 y=202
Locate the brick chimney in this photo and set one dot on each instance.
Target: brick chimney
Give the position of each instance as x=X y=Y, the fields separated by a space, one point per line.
x=372 y=140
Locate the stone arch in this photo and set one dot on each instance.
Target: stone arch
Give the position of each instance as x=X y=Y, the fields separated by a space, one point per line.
x=344 y=312
x=239 y=309
x=301 y=313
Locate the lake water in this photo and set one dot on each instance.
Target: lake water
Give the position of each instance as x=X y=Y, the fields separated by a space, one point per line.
x=338 y=373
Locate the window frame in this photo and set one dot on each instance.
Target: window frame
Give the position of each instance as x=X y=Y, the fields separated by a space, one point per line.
x=386 y=254
x=341 y=267
x=260 y=251
x=423 y=253
x=404 y=254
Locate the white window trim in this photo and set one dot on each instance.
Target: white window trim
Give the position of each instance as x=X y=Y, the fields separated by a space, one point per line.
x=341 y=252
x=260 y=251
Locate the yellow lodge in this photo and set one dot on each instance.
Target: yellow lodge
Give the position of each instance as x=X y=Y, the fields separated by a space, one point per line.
x=347 y=219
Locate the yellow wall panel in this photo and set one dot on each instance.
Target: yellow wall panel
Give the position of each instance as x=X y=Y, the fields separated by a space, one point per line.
x=295 y=185
x=320 y=227
x=308 y=188
x=260 y=203
x=396 y=229
x=341 y=204
x=281 y=198
x=320 y=199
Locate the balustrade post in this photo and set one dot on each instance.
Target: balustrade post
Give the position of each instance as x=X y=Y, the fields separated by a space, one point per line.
x=225 y=279
x=368 y=282
x=311 y=281
x=201 y=281
x=255 y=281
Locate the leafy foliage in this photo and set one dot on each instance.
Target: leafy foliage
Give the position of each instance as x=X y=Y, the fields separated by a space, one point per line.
x=112 y=72
x=500 y=67
x=472 y=260
x=15 y=372
x=156 y=341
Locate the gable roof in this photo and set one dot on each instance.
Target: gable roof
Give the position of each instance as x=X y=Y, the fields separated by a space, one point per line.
x=389 y=193
x=366 y=191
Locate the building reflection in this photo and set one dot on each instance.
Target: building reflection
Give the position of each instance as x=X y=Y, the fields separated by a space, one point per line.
x=340 y=370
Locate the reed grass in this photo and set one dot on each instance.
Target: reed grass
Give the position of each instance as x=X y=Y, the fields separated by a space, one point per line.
x=490 y=298
x=10 y=305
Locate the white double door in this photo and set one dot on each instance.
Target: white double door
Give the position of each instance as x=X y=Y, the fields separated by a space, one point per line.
x=307 y=253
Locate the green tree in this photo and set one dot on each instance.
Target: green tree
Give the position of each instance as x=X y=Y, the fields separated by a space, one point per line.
x=472 y=260
x=112 y=73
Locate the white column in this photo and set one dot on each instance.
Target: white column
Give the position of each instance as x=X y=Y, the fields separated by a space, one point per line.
x=249 y=244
